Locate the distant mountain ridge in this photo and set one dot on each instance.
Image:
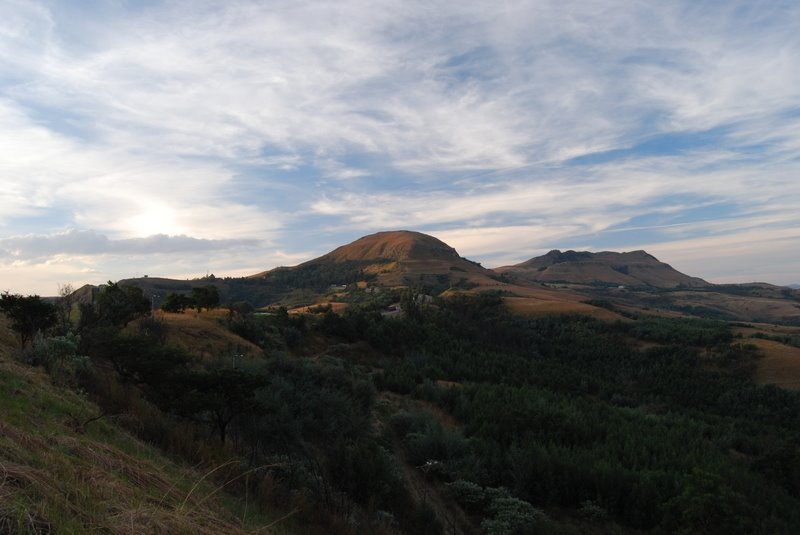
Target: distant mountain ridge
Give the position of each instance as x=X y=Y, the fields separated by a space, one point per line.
x=567 y=281
x=635 y=268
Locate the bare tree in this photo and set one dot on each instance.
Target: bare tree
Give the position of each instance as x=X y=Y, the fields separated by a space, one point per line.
x=64 y=303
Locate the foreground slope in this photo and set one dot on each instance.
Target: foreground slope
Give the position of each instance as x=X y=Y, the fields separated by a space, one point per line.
x=64 y=468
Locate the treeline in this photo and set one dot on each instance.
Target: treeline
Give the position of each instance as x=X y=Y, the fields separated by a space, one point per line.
x=310 y=279
x=300 y=431
x=652 y=424
x=566 y=412
x=199 y=297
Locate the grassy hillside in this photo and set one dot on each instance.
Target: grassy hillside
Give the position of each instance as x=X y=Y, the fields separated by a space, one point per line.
x=204 y=335
x=779 y=346
x=66 y=469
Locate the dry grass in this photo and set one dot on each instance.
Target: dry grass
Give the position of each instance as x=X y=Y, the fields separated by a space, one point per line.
x=779 y=364
x=203 y=335
x=748 y=308
x=529 y=306
x=56 y=478
x=336 y=307
x=376 y=269
x=769 y=329
x=8 y=340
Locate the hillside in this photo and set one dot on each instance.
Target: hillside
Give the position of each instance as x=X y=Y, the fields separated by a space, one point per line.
x=358 y=422
x=397 y=246
x=635 y=269
x=732 y=302
x=558 y=282
x=203 y=335
x=411 y=259
x=386 y=260
x=638 y=282
x=67 y=468
x=396 y=258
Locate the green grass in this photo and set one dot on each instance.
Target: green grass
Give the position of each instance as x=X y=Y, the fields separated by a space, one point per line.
x=59 y=476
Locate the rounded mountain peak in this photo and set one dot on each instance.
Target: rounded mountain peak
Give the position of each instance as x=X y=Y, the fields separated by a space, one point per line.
x=395 y=245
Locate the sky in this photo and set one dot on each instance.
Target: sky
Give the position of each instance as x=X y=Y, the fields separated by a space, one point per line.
x=190 y=137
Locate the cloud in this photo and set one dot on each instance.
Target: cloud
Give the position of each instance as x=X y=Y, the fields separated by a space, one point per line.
x=764 y=255
x=464 y=88
x=533 y=89
x=536 y=123
x=35 y=249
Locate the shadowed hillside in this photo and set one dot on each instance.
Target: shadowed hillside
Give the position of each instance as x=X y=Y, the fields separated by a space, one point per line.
x=469 y=412
x=66 y=466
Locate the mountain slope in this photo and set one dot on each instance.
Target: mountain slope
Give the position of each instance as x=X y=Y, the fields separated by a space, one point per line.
x=412 y=259
x=398 y=246
x=636 y=268
x=395 y=258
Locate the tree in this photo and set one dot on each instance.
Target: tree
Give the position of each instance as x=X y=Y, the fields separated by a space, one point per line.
x=64 y=304
x=136 y=357
x=409 y=306
x=709 y=505
x=240 y=308
x=205 y=296
x=176 y=302
x=217 y=397
x=29 y=315
x=119 y=305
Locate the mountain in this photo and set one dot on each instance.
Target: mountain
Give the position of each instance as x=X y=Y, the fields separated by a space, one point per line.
x=634 y=269
x=385 y=259
x=396 y=245
x=587 y=282
x=638 y=282
x=392 y=258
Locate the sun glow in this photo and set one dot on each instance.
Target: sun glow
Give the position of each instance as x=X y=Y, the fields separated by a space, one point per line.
x=155 y=219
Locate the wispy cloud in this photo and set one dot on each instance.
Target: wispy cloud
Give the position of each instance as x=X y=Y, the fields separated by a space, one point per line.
x=40 y=248
x=536 y=123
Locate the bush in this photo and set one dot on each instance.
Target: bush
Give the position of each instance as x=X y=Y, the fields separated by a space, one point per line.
x=59 y=356
x=469 y=495
x=512 y=516
x=425 y=439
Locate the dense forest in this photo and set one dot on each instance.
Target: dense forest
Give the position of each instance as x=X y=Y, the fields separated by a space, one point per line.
x=509 y=424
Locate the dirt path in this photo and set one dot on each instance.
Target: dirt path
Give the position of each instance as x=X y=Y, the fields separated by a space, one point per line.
x=453 y=520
